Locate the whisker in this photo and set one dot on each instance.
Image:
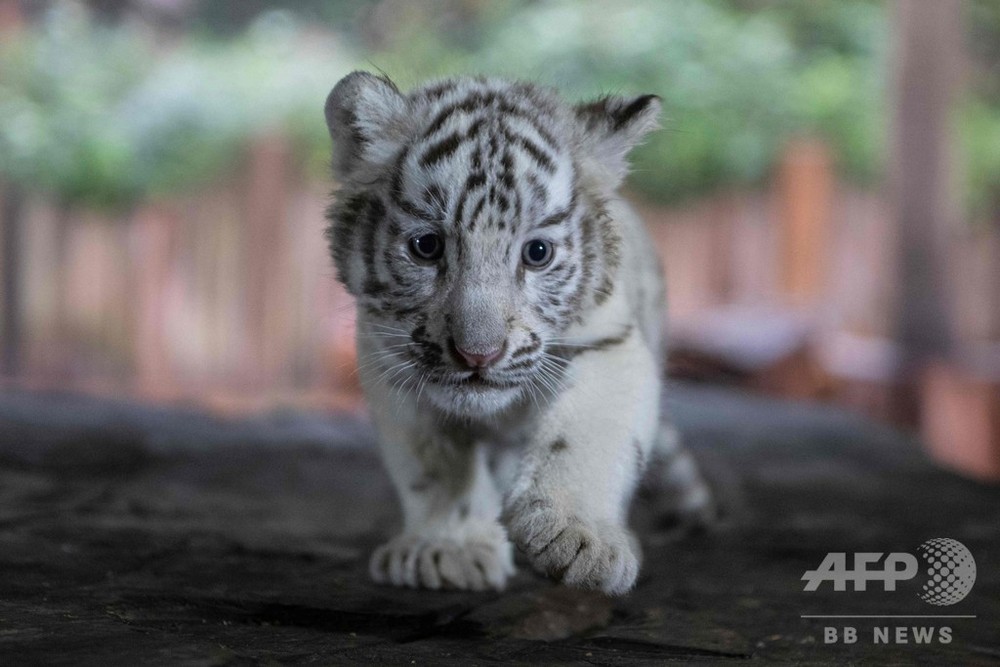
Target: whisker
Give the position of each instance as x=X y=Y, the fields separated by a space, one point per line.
x=544 y=377
x=394 y=370
x=381 y=334
x=386 y=328
x=420 y=386
x=552 y=372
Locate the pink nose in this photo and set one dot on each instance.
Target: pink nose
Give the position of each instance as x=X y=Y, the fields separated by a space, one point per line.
x=478 y=359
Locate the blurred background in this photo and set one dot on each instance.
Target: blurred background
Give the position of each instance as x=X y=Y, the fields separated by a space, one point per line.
x=825 y=192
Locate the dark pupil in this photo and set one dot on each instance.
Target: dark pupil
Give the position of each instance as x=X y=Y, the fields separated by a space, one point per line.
x=537 y=251
x=427 y=246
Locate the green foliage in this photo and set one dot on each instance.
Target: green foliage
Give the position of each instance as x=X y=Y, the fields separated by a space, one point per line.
x=735 y=84
x=57 y=131
x=979 y=119
x=100 y=115
x=840 y=82
x=91 y=115
x=979 y=132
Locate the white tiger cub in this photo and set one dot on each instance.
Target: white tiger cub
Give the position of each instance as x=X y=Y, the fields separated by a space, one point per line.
x=510 y=310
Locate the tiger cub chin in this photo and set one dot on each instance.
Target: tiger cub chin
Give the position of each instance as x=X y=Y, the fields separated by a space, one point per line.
x=510 y=317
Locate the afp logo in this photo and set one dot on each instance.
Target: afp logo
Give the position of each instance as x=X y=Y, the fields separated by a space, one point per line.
x=949 y=568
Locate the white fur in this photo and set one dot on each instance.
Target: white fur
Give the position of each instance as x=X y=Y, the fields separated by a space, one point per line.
x=543 y=449
x=565 y=510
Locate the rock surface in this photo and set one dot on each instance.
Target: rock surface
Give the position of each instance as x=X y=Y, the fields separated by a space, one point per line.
x=155 y=536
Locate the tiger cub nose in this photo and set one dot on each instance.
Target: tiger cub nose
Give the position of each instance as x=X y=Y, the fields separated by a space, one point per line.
x=480 y=359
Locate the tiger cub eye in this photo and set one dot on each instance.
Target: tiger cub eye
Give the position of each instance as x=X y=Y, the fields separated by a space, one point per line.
x=536 y=253
x=428 y=247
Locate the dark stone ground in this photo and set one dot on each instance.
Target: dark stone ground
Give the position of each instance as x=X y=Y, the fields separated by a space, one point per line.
x=151 y=536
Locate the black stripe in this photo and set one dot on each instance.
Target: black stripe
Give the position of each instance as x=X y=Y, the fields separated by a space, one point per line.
x=412 y=209
x=537 y=188
x=535 y=343
x=604 y=290
x=476 y=179
x=638 y=105
x=475 y=213
x=460 y=207
x=474 y=101
x=499 y=199
x=507 y=180
x=474 y=127
x=397 y=169
x=507 y=162
x=517 y=208
x=610 y=243
x=437 y=91
x=544 y=315
x=520 y=365
x=346 y=219
x=568 y=352
x=532 y=149
x=398 y=278
x=569 y=242
x=587 y=247
x=559 y=216
x=441 y=149
x=398 y=198
x=375 y=215
x=532 y=120
x=435 y=197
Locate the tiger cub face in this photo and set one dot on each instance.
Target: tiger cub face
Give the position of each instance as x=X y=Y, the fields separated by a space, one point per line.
x=470 y=227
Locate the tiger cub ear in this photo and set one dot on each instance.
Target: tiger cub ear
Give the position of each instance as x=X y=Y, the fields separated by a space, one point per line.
x=366 y=116
x=611 y=126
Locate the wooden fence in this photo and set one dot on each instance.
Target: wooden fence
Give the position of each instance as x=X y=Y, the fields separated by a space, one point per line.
x=228 y=296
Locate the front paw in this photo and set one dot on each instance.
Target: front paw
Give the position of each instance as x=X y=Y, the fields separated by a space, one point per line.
x=588 y=554
x=476 y=562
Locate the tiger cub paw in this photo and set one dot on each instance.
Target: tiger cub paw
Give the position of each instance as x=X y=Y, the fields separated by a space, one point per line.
x=587 y=554
x=473 y=562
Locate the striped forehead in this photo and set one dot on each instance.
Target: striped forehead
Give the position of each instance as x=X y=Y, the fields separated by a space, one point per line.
x=481 y=157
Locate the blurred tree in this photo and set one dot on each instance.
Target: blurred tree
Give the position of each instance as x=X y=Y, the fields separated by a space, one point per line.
x=230 y=19
x=926 y=84
x=92 y=115
x=979 y=122
x=97 y=113
x=735 y=83
x=11 y=204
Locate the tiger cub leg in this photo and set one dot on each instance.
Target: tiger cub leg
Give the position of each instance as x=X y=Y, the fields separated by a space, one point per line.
x=451 y=535
x=567 y=507
x=673 y=473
